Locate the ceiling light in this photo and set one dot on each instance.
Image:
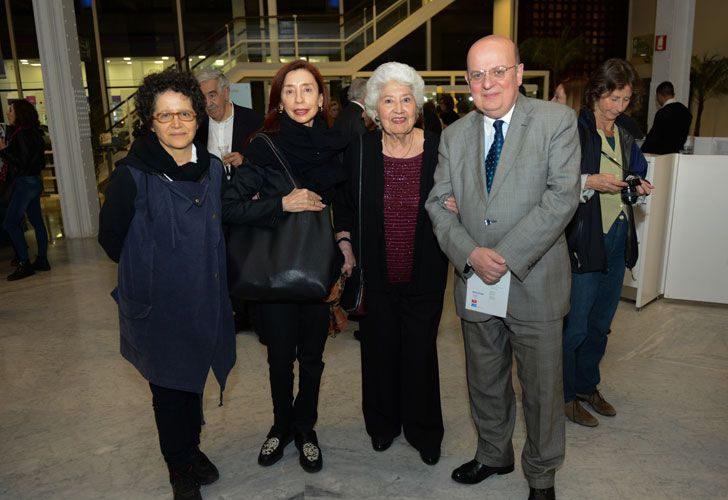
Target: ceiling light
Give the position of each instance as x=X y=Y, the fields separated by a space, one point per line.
x=35 y=64
x=201 y=57
x=157 y=62
x=127 y=58
x=24 y=61
x=108 y=61
x=128 y=62
x=219 y=62
x=164 y=58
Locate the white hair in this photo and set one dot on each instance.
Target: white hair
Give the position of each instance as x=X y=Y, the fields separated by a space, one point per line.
x=210 y=73
x=393 y=72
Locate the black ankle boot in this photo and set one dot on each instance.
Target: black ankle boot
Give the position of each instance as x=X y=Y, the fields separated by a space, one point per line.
x=24 y=269
x=41 y=263
x=184 y=484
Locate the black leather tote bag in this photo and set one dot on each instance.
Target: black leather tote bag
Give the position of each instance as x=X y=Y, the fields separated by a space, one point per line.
x=294 y=261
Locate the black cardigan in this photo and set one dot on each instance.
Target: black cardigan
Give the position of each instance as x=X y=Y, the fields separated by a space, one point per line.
x=429 y=272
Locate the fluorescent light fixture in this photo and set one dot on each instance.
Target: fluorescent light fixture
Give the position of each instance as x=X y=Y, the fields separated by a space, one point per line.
x=164 y=58
x=127 y=58
x=108 y=61
x=24 y=61
x=157 y=62
x=201 y=57
x=219 y=62
x=128 y=62
x=35 y=64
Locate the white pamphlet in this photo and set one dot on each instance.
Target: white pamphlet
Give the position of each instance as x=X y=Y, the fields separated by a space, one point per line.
x=488 y=299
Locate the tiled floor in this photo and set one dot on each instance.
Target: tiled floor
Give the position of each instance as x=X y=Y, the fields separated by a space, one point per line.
x=76 y=420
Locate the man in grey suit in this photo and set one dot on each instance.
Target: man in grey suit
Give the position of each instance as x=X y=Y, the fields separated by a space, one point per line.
x=512 y=167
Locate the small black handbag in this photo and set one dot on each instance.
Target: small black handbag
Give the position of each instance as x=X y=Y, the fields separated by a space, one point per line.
x=353 y=297
x=294 y=261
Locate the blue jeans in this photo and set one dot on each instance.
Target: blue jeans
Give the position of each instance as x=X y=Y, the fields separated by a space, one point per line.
x=26 y=200
x=594 y=300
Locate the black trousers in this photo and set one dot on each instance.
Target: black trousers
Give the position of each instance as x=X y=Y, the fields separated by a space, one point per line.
x=294 y=332
x=179 y=421
x=400 y=374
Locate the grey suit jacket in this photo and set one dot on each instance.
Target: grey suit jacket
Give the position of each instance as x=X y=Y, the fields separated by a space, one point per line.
x=534 y=195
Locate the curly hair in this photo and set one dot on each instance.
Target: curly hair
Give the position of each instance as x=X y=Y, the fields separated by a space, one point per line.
x=393 y=72
x=173 y=80
x=26 y=115
x=611 y=75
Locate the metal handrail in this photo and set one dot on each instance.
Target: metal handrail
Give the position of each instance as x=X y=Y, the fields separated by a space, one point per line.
x=231 y=48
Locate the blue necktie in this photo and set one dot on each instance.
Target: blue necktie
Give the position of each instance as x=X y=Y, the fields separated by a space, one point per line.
x=491 y=161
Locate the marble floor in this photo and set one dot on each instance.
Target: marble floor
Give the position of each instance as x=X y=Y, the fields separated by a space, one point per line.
x=76 y=419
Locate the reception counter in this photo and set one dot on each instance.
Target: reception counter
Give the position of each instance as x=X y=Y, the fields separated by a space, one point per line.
x=682 y=232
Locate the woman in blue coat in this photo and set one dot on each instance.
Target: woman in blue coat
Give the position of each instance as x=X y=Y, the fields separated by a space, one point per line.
x=161 y=223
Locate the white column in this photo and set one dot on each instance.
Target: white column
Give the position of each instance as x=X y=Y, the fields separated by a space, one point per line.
x=68 y=116
x=674 y=20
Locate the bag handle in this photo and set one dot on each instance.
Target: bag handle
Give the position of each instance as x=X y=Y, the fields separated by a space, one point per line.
x=279 y=154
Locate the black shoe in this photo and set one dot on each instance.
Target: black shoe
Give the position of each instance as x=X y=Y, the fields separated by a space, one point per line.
x=15 y=261
x=309 y=455
x=41 y=264
x=542 y=494
x=381 y=444
x=430 y=457
x=184 y=484
x=203 y=469
x=474 y=472
x=24 y=269
x=273 y=446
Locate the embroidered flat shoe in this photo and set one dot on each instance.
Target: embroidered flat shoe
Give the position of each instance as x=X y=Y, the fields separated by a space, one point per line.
x=272 y=449
x=309 y=452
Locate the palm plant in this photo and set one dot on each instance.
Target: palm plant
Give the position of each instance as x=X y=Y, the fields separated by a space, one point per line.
x=556 y=54
x=708 y=80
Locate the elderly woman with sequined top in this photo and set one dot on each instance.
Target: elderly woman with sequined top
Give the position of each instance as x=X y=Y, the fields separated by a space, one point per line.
x=405 y=269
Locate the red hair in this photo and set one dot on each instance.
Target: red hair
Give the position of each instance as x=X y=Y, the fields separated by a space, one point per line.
x=271 y=123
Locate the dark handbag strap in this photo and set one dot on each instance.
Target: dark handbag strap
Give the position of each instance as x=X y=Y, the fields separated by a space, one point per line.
x=279 y=154
x=360 y=208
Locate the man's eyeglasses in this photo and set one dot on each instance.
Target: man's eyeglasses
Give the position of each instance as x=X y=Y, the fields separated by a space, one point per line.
x=497 y=73
x=167 y=116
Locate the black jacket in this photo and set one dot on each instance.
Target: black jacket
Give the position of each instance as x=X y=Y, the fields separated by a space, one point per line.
x=429 y=271
x=584 y=233
x=245 y=122
x=24 y=152
x=669 y=130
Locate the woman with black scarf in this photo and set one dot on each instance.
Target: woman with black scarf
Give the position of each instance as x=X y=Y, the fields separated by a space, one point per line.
x=260 y=195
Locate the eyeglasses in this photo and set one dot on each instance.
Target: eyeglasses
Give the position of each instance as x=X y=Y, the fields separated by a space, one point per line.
x=497 y=73
x=168 y=116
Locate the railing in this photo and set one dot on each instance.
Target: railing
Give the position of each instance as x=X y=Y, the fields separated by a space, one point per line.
x=330 y=37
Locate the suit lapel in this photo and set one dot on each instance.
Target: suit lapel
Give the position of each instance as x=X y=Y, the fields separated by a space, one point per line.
x=473 y=140
x=516 y=134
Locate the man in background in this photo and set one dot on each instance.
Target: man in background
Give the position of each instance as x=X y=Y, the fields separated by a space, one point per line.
x=671 y=125
x=227 y=126
x=350 y=121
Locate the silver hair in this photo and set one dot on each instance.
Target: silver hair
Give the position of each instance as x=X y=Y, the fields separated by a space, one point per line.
x=357 y=90
x=397 y=72
x=214 y=74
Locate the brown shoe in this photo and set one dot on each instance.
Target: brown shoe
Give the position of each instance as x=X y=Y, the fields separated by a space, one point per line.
x=599 y=404
x=577 y=414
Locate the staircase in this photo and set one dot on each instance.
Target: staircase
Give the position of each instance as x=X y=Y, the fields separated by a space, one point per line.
x=254 y=48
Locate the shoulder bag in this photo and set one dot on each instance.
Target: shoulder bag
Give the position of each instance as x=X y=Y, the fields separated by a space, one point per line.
x=293 y=261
